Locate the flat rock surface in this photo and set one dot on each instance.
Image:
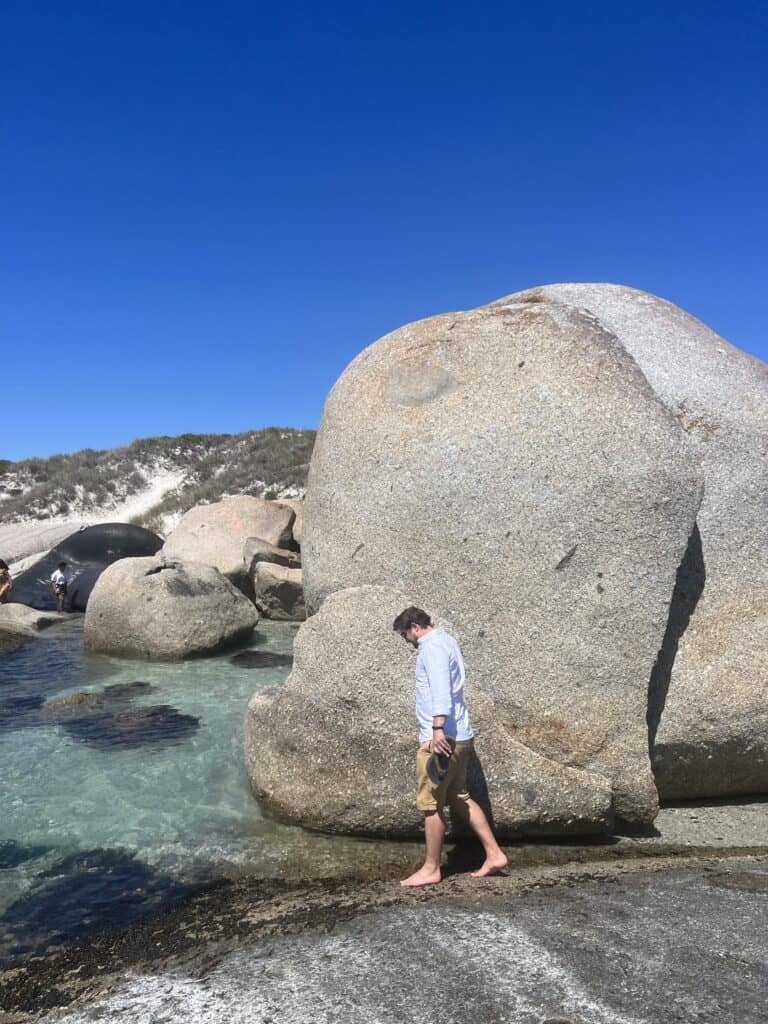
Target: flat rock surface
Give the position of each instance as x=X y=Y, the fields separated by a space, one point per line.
x=641 y=930
x=687 y=944
x=18 y=618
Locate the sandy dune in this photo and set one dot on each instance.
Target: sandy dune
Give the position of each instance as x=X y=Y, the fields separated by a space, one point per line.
x=22 y=543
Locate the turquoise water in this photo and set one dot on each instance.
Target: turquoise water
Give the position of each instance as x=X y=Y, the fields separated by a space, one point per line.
x=112 y=808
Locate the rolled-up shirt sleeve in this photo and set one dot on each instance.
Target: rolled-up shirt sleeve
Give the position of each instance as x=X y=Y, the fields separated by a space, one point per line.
x=437 y=665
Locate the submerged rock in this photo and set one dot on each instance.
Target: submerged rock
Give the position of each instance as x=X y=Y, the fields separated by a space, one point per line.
x=153 y=608
x=158 y=725
x=103 y=719
x=116 y=693
x=260 y=659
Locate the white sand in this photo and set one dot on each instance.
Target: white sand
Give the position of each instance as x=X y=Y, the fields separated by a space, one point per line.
x=22 y=543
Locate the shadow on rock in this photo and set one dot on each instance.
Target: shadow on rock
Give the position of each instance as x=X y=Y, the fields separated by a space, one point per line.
x=689 y=586
x=12 y=854
x=81 y=895
x=260 y=659
x=103 y=720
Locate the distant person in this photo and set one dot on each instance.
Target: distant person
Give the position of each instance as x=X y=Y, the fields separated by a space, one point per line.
x=6 y=583
x=445 y=746
x=61 y=577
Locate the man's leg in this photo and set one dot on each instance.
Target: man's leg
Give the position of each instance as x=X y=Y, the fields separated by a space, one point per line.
x=470 y=813
x=434 y=831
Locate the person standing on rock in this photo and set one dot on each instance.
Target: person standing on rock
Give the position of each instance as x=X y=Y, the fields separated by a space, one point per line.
x=445 y=746
x=60 y=580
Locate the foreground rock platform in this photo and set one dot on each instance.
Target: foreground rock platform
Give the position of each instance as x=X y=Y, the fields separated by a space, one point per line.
x=579 y=942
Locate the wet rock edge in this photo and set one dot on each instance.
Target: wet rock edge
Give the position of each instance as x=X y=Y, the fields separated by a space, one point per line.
x=218 y=918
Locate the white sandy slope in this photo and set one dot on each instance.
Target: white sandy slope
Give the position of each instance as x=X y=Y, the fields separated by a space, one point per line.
x=23 y=542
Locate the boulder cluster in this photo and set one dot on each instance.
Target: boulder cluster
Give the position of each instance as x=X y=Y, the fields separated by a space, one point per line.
x=573 y=480
x=224 y=565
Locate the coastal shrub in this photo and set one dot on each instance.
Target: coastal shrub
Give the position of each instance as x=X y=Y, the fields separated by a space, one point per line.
x=213 y=465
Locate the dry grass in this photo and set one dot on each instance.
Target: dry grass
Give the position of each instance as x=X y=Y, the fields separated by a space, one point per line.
x=273 y=459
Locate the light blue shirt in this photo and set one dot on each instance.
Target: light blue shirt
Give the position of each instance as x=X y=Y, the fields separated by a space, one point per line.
x=440 y=686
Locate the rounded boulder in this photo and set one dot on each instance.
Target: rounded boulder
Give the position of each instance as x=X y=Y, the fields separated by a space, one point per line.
x=157 y=608
x=513 y=469
x=216 y=534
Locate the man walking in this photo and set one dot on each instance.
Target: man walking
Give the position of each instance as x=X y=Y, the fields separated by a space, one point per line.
x=445 y=733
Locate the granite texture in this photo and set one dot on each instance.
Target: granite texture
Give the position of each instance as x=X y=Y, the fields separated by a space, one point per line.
x=513 y=471
x=277 y=592
x=157 y=608
x=216 y=534
x=708 y=705
x=334 y=748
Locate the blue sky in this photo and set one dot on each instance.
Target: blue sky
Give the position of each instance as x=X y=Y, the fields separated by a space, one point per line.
x=209 y=209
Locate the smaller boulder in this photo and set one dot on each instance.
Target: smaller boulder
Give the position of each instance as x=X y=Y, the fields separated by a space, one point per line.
x=298 y=508
x=216 y=534
x=18 y=618
x=259 y=550
x=157 y=608
x=278 y=592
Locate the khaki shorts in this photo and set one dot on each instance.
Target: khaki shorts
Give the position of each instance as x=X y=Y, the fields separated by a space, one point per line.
x=454 y=784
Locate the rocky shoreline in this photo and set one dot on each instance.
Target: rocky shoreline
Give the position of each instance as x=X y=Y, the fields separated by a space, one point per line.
x=196 y=938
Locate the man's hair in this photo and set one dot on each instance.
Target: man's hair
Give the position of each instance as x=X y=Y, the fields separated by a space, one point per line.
x=411 y=617
x=61 y=565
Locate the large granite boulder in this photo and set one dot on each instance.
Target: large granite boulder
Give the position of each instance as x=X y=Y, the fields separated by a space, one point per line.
x=216 y=534
x=708 y=707
x=334 y=748
x=278 y=592
x=158 y=608
x=513 y=469
x=87 y=552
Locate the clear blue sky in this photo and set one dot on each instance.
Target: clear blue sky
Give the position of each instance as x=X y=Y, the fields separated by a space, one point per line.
x=209 y=208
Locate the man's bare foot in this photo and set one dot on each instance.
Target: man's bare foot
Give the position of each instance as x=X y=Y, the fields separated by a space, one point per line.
x=424 y=876
x=491 y=866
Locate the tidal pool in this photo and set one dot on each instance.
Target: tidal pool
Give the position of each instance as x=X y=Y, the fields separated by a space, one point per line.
x=116 y=804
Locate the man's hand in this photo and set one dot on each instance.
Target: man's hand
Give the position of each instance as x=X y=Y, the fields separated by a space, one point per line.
x=440 y=744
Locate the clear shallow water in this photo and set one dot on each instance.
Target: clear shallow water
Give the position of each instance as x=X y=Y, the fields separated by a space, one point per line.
x=112 y=808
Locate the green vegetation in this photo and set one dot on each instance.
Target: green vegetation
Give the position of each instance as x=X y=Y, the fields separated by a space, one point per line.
x=260 y=462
